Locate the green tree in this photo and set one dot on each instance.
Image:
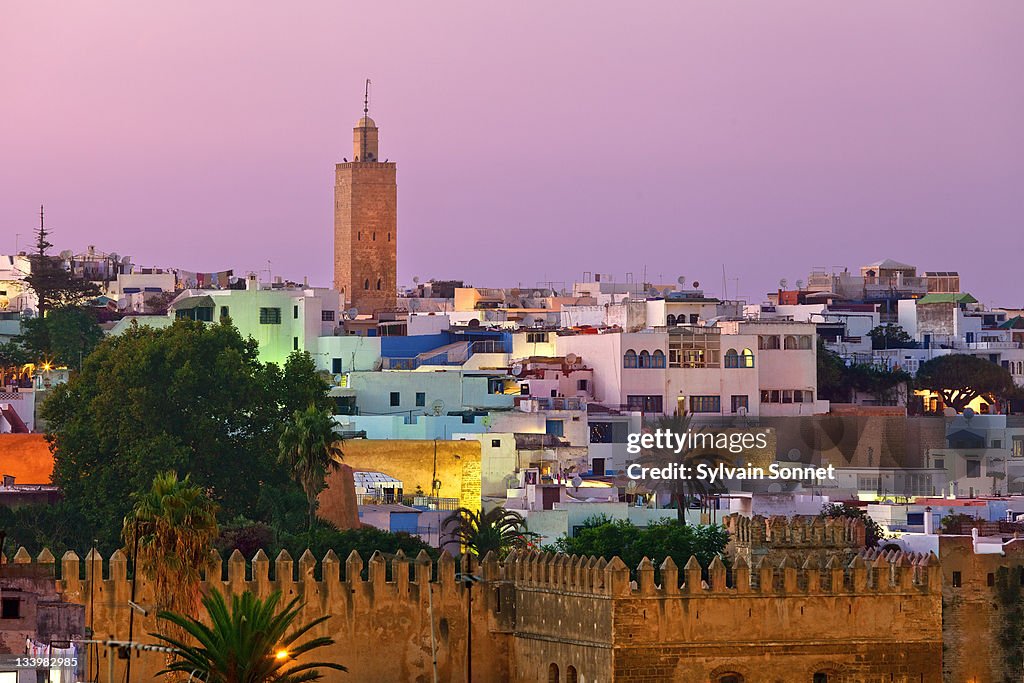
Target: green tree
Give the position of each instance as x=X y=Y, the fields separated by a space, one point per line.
x=873 y=530
x=66 y=336
x=831 y=376
x=192 y=398
x=961 y=378
x=251 y=642
x=171 y=529
x=681 y=490
x=309 y=447
x=603 y=538
x=837 y=381
x=498 y=530
x=53 y=285
x=891 y=336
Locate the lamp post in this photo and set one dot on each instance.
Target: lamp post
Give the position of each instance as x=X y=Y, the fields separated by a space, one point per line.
x=469 y=580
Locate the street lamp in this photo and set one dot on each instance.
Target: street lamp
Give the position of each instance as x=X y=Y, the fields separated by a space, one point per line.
x=469 y=580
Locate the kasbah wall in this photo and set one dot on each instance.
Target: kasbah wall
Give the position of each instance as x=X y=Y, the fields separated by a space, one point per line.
x=881 y=617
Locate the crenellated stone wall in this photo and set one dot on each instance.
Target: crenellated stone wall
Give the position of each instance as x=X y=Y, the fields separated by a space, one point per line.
x=875 y=618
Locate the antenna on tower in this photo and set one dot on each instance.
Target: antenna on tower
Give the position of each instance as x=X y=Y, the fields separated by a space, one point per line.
x=366 y=99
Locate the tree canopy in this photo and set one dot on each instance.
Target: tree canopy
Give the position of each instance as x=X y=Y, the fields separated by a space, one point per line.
x=891 y=336
x=53 y=285
x=66 y=336
x=192 y=398
x=961 y=378
x=607 y=539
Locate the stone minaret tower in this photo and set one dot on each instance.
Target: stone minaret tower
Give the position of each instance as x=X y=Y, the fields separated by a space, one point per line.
x=366 y=224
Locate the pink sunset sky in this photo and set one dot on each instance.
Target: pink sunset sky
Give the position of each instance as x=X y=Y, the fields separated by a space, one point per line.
x=534 y=141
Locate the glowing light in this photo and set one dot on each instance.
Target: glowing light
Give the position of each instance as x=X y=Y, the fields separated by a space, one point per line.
x=281 y=654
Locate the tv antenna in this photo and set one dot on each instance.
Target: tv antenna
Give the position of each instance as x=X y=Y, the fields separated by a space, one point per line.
x=366 y=99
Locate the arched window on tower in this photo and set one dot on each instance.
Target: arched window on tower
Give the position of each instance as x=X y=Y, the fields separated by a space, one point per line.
x=553 y=673
x=378 y=284
x=658 y=359
x=629 y=359
x=366 y=283
x=389 y=237
x=732 y=359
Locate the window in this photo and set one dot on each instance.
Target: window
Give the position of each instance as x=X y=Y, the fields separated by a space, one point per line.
x=973 y=469
x=990 y=580
x=201 y=313
x=10 y=608
x=644 y=404
x=495 y=385
x=997 y=443
x=495 y=443
x=536 y=337
x=868 y=482
x=740 y=402
x=224 y=312
x=644 y=360
x=295 y=343
x=396 y=398
x=798 y=342
x=957 y=580
x=694 y=318
x=581 y=385
x=421 y=399
x=939 y=464
x=1017 y=447
x=601 y=432
x=658 y=359
x=670 y=320
x=705 y=404
x=270 y=316
x=768 y=341
x=295 y=312
x=730 y=678
x=732 y=359
x=747 y=359
x=571 y=676
x=554 y=427
x=366 y=283
x=820 y=677
x=553 y=673
x=335 y=366
x=629 y=359
x=327 y=316
x=378 y=283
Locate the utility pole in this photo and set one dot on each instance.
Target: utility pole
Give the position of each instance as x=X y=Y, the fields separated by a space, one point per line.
x=469 y=580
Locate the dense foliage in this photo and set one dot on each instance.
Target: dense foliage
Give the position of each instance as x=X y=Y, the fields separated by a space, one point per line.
x=837 y=380
x=960 y=378
x=891 y=336
x=309 y=448
x=604 y=538
x=66 y=336
x=192 y=398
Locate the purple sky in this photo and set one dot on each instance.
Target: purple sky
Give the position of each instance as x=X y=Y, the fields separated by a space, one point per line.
x=534 y=141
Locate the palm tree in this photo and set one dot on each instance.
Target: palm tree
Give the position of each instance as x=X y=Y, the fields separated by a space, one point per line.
x=252 y=642
x=684 y=490
x=309 y=447
x=171 y=530
x=497 y=530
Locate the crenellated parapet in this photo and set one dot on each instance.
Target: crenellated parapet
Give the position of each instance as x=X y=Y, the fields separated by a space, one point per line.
x=755 y=537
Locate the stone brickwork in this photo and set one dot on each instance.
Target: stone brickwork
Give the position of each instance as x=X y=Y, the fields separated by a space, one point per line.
x=774 y=538
x=366 y=228
x=877 y=618
x=974 y=621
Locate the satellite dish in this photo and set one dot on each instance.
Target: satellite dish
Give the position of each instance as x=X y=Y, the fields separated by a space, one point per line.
x=577 y=481
x=416 y=279
x=799 y=284
x=681 y=280
x=571 y=358
x=653 y=292
x=437 y=407
x=66 y=254
x=783 y=283
x=113 y=257
x=352 y=313
x=474 y=323
x=337 y=379
x=696 y=284
x=517 y=369
x=794 y=454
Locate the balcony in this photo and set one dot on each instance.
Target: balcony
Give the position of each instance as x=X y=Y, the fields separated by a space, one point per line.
x=537 y=404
